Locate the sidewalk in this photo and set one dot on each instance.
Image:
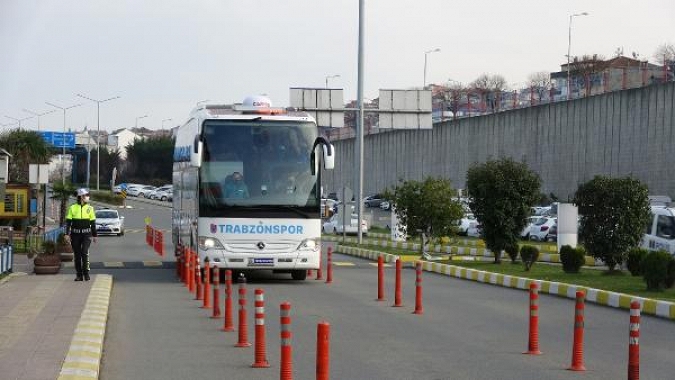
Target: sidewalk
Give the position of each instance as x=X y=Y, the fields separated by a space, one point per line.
x=39 y=316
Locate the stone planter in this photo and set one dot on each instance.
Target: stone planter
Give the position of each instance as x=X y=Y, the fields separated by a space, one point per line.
x=47 y=264
x=65 y=252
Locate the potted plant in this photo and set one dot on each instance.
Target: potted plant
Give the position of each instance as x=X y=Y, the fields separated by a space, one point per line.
x=47 y=261
x=63 y=248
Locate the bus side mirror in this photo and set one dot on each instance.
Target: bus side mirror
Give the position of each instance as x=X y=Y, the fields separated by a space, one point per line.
x=196 y=153
x=328 y=156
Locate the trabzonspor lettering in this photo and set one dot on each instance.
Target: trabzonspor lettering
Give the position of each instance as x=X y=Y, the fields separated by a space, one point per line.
x=270 y=229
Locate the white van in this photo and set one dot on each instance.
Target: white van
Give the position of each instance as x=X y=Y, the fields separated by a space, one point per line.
x=660 y=231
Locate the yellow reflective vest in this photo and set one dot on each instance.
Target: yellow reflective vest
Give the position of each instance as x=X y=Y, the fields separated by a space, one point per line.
x=81 y=219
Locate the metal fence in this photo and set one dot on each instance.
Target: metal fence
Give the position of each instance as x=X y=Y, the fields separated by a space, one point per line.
x=30 y=242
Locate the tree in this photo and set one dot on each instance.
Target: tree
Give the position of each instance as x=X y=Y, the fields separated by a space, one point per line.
x=150 y=159
x=109 y=159
x=489 y=86
x=426 y=206
x=26 y=147
x=541 y=83
x=615 y=212
x=501 y=194
x=62 y=192
x=487 y=82
x=665 y=52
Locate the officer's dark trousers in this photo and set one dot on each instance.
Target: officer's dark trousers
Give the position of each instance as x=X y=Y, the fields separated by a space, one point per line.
x=80 y=244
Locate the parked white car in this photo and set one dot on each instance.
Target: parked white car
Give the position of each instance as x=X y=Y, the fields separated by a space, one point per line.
x=540 y=229
x=531 y=220
x=464 y=224
x=166 y=195
x=140 y=192
x=155 y=193
x=334 y=225
x=474 y=229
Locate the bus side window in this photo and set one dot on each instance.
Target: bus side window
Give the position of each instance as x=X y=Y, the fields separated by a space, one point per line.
x=664 y=227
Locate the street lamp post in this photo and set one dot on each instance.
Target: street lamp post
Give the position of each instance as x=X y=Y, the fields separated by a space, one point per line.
x=569 y=50
x=137 y=118
x=19 y=120
x=38 y=115
x=164 y=121
x=426 y=53
x=63 y=140
x=331 y=77
x=98 y=139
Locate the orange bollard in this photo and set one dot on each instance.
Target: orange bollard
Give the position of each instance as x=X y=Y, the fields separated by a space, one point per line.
x=229 y=324
x=216 y=293
x=380 y=278
x=634 y=342
x=186 y=266
x=578 y=346
x=190 y=276
x=161 y=244
x=207 y=285
x=322 y=351
x=243 y=326
x=319 y=272
x=329 y=265
x=260 y=350
x=199 y=294
x=397 y=290
x=418 y=289
x=286 y=367
x=533 y=343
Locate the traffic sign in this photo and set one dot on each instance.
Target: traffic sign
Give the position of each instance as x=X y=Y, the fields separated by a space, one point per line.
x=59 y=139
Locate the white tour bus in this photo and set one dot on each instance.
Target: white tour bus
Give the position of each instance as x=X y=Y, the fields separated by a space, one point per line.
x=247 y=186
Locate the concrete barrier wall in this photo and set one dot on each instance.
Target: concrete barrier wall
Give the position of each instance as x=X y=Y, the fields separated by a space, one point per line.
x=566 y=143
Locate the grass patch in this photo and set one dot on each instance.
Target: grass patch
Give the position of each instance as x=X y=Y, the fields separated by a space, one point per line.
x=378 y=230
x=621 y=282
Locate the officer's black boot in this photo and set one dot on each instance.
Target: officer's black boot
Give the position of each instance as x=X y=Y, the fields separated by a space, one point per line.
x=78 y=277
x=86 y=276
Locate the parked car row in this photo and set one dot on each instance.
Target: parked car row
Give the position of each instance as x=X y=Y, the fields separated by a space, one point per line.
x=162 y=193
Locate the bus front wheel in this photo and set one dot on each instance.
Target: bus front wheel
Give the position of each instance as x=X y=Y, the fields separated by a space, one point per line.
x=299 y=275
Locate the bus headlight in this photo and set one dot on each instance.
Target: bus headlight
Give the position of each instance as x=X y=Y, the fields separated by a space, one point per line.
x=206 y=242
x=310 y=245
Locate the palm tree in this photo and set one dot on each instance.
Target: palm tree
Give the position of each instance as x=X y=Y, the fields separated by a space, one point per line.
x=63 y=192
x=26 y=147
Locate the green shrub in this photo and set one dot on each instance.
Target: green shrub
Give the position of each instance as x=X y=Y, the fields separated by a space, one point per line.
x=512 y=251
x=655 y=269
x=106 y=197
x=670 y=279
x=635 y=256
x=529 y=254
x=572 y=258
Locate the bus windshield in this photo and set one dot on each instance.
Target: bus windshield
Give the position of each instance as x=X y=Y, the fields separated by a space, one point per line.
x=257 y=164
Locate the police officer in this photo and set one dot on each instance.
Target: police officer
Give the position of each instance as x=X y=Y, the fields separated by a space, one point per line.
x=81 y=227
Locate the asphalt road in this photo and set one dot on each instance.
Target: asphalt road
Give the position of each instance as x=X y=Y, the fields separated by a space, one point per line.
x=469 y=330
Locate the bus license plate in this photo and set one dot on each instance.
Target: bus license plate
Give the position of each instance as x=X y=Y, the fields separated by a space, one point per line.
x=264 y=261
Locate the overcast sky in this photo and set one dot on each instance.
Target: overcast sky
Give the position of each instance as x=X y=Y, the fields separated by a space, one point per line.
x=163 y=56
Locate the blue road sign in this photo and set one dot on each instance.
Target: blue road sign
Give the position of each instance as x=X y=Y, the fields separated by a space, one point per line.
x=59 y=139
x=123 y=186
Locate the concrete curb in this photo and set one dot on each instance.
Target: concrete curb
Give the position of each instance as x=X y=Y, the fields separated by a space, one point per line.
x=548 y=257
x=648 y=306
x=83 y=360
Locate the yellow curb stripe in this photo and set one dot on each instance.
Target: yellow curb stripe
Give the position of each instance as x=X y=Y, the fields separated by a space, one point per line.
x=152 y=263
x=83 y=360
x=113 y=264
